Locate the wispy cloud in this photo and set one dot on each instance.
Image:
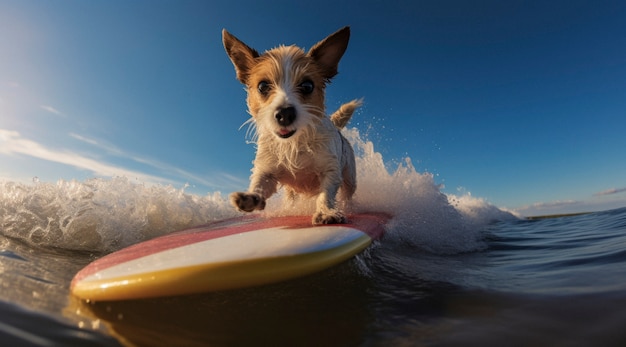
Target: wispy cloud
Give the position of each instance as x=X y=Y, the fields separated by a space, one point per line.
x=571 y=206
x=52 y=110
x=549 y=207
x=219 y=180
x=553 y=204
x=12 y=143
x=84 y=139
x=610 y=191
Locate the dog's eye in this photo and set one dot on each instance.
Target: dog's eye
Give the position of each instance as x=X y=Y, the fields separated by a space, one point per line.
x=306 y=87
x=264 y=87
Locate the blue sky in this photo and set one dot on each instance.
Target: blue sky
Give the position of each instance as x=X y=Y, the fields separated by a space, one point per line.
x=522 y=103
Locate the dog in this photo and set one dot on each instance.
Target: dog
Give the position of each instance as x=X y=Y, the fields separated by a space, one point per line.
x=298 y=146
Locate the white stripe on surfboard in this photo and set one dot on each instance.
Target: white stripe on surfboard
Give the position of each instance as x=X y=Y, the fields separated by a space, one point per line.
x=258 y=244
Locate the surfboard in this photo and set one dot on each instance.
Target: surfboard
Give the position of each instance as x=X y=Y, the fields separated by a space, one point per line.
x=230 y=254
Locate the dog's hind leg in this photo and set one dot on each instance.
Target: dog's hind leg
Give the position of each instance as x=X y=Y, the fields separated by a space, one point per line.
x=290 y=194
x=326 y=212
x=348 y=186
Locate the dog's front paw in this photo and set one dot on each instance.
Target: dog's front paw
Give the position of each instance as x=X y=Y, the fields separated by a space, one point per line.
x=333 y=217
x=247 y=202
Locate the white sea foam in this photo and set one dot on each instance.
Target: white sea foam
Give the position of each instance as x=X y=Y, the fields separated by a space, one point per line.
x=423 y=216
x=103 y=215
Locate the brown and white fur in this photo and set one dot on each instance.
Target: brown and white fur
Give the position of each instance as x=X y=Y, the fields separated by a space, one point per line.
x=298 y=146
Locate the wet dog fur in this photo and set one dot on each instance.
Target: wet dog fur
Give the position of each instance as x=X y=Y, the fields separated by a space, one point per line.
x=298 y=146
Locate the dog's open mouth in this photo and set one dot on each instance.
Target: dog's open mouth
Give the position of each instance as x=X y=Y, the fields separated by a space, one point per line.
x=285 y=133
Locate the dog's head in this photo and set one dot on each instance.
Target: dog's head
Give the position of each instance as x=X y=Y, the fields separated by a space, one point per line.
x=286 y=85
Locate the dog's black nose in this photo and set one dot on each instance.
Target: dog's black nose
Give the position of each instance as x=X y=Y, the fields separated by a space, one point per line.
x=285 y=116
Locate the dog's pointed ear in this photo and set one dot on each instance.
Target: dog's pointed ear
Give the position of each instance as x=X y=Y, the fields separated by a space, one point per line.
x=329 y=51
x=240 y=54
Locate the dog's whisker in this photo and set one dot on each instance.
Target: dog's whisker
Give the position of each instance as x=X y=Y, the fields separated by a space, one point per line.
x=314 y=109
x=251 y=132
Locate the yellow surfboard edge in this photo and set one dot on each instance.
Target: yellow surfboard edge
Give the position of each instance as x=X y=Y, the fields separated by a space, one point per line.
x=218 y=276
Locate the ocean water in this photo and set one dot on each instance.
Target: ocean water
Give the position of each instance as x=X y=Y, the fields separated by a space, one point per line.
x=450 y=271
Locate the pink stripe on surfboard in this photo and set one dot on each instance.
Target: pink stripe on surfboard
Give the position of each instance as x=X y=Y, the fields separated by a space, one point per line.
x=371 y=224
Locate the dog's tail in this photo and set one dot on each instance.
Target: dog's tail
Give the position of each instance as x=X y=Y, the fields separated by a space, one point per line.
x=342 y=116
